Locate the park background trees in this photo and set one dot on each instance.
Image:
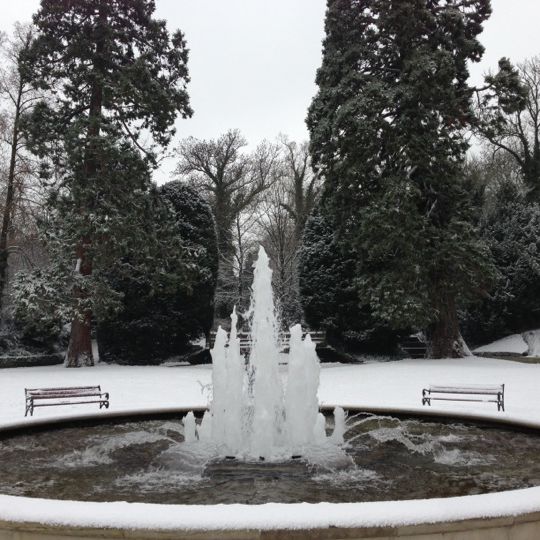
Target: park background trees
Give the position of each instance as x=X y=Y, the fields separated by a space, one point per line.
x=116 y=73
x=508 y=110
x=20 y=191
x=377 y=228
x=233 y=181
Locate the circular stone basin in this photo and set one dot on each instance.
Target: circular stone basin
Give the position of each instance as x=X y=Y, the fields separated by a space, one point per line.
x=384 y=458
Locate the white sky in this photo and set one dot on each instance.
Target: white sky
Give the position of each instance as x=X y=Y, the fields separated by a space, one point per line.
x=253 y=62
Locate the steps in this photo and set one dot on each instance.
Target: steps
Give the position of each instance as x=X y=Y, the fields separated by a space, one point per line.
x=413 y=347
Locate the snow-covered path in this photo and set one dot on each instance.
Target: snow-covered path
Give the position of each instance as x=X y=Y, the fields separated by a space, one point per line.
x=394 y=385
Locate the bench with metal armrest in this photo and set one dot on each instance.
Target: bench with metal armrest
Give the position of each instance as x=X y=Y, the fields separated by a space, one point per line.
x=67 y=395
x=465 y=392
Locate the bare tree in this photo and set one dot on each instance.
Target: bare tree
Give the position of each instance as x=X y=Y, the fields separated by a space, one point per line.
x=510 y=121
x=233 y=182
x=303 y=184
x=20 y=193
x=231 y=178
x=278 y=231
x=237 y=272
x=282 y=216
x=486 y=172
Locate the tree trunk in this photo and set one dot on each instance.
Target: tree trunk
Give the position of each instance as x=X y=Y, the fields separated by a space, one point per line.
x=79 y=351
x=444 y=335
x=299 y=218
x=10 y=196
x=80 y=343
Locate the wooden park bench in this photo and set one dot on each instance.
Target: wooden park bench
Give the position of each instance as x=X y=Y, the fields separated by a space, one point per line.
x=68 y=395
x=318 y=337
x=478 y=393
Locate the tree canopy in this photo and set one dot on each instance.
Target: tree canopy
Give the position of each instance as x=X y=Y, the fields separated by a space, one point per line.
x=387 y=135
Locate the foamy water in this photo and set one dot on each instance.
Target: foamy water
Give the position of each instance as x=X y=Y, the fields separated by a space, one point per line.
x=382 y=458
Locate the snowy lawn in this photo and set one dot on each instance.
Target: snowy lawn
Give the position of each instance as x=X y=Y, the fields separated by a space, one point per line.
x=393 y=385
x=527 y=344
x=514 y=344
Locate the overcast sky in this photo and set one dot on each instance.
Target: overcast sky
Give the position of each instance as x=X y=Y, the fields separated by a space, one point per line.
x=253 y=62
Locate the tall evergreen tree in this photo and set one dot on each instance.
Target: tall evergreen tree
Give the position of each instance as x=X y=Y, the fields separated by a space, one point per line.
x=117 y=74
x=387 y=134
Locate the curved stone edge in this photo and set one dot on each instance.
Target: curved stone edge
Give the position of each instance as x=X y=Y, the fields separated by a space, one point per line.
x=509 y=515
x=323 y=526
x=502 y=419
x=33 y=422
x=427 y=412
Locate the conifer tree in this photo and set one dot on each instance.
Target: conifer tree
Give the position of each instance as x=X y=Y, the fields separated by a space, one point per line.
x=387 y=134
x=118 y=75
x=328 y=294
x=511 y=229
x=160 y=314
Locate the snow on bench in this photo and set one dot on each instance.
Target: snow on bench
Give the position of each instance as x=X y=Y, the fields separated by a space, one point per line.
x=465 y=392
x=67 y=395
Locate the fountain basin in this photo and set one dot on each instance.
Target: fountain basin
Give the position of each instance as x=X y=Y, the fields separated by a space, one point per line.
x=508 y=514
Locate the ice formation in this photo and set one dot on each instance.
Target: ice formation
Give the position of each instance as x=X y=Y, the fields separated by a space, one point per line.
x=254 y=413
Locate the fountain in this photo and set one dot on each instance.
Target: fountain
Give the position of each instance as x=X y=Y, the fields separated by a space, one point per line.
x=253 y=415
x=263 y=440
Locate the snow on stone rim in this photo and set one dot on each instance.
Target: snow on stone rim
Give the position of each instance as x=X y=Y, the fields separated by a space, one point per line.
x=376 y=386
x=123 y=515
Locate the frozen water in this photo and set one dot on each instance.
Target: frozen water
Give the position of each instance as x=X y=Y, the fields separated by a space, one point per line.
x=189 y=428
x=254 y=414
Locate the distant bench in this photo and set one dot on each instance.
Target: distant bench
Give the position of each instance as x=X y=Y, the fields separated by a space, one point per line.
x=318 y=337
x=67 y=395
x=479 y=393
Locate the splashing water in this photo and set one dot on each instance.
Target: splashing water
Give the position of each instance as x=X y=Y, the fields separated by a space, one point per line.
x=253 y=413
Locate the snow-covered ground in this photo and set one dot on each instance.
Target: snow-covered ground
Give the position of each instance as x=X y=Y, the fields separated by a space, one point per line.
x=392 y=385
x=514 y=344
x=527 y=344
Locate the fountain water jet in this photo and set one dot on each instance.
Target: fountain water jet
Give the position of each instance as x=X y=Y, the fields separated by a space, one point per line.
x=253 y=414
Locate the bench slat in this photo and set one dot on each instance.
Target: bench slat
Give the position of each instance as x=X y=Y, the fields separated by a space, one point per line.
x=463 y=399
x=65 y=396
x=61 y=388
x=491 y=389
x=66 y=403
x=463 y=392
x=65 y=391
